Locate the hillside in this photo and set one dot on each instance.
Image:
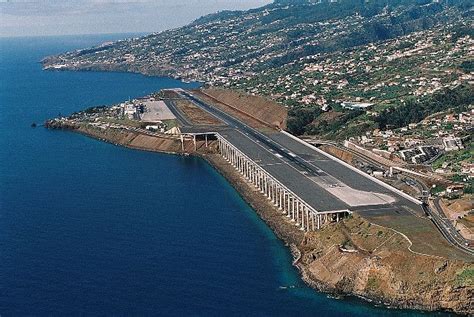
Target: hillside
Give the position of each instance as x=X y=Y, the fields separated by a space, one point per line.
x=308 y=54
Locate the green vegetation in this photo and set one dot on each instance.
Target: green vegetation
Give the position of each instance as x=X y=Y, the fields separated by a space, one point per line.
x=469 y=187
x=373 y=283
x=170 y=123
x=467 y=66
x=413 y=111
x=465 y=278
x=300 y=118
x=438 y=189
x=352 y=122
x=455 y=158
x=124 y=121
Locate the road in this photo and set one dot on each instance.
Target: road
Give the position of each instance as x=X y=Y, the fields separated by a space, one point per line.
x=445 y=226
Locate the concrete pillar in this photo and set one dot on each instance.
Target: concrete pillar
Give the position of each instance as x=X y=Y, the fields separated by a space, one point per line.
x=293 y=209
x=258 y=180
x=280 y=205
x=308 y=219
x=275 y=194
x=265 y=182
x=297 y=212
x=288 y=207
x=254 y=175
x=271 y=190
x=302 y=217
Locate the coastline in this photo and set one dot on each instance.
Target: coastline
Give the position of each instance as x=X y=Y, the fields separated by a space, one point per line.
x=302 y=245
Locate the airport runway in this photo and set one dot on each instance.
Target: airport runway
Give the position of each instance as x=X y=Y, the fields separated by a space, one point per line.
x=323 y=183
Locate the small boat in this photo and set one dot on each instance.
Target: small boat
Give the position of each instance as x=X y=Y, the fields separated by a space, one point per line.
x=33 y=125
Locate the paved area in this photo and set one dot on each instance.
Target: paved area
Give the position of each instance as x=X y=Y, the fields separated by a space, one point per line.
x=156 y=111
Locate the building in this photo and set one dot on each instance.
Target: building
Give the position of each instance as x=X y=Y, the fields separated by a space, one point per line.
x=130 y=111
x=420 y=154
x=452 y=144
x=356 y=105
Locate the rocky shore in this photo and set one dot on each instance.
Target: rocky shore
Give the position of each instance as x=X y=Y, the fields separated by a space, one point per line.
x=352 y=257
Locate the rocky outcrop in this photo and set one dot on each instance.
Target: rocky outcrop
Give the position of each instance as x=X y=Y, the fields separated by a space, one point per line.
x=385 y=271
x=135 y=140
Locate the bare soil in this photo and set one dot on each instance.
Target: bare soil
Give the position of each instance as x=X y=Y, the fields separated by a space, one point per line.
x=343 y=155
x=196 y=115
x=255 y=110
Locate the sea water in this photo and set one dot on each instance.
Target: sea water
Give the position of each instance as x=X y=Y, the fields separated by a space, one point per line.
x=90 y=228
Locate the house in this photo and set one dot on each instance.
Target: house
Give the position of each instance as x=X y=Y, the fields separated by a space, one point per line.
x=454 y=190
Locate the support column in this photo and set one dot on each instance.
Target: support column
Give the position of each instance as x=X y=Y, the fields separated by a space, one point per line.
x=280 y=205
x=302 y=216
x=298 y=211
x=265 y=179
x=275 y=194
x=288 y=210
x=293 y=210
x=307 y=219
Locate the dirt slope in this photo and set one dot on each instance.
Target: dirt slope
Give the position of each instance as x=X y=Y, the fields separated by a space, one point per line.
x=260 y=108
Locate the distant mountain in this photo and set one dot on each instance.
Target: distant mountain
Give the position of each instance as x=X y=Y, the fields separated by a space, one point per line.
x=227 y=43
x=306 y=53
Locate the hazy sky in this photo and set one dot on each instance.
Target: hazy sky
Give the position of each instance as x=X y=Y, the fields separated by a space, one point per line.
x=58 y=17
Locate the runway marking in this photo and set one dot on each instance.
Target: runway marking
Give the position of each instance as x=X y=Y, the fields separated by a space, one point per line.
x=388 y=208
x=271 y=164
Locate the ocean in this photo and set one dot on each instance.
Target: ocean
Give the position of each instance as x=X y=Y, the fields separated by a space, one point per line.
x=89 y=228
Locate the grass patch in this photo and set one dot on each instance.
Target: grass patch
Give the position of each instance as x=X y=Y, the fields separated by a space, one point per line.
x=127 y=122
x=171 y=123
x=465 y=278
x=373 y=283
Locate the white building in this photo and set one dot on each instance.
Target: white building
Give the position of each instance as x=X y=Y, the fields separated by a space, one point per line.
x=356 y=105
x=452 y=144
